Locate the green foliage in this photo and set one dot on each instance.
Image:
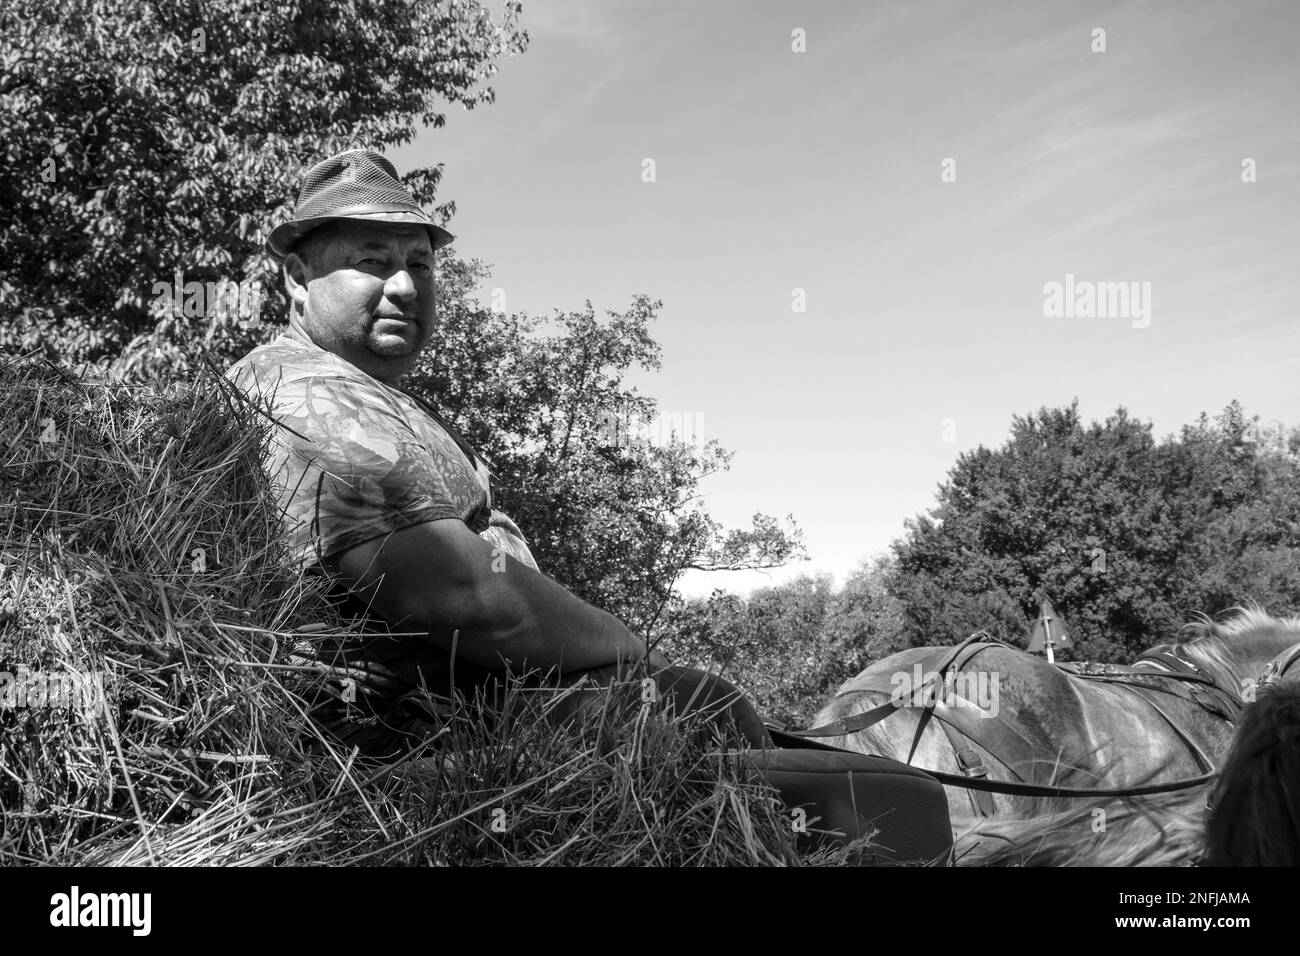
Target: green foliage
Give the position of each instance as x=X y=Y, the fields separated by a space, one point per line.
x=864 y=623
x=790 y=646
x=608 y=512
x=144 y=138
x=1130 y=537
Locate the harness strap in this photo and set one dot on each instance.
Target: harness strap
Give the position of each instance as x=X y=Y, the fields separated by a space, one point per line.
x=1207 y=766
x=1196 y=686
x=1046 y=790
x=971 y=765
x=1027 y=748
x=1276 y=669
x=843 y=726
x=926 y=714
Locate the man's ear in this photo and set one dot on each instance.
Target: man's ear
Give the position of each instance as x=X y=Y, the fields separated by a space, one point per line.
x=295 y=281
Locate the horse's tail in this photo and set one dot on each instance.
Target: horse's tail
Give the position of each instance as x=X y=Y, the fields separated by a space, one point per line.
x=1161 y=830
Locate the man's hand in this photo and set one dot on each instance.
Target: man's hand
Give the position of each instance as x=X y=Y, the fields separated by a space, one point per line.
x=441 y=577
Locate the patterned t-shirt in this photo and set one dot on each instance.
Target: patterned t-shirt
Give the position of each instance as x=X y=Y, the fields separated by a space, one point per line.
x=353 y=459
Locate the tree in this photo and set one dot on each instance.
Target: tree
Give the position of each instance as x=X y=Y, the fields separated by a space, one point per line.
x=146 y=139
x=789 y=647
x=1129 y=537
x=610 y=508
x=1248 y=546
x=864 y=623
x=768 y=644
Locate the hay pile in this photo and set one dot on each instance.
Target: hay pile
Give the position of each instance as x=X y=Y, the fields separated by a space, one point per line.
x=139 y=555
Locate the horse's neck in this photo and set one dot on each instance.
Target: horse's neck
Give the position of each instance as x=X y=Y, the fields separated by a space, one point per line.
x=1235 y=660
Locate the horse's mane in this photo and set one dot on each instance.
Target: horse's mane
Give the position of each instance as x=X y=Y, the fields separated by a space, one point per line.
x=1243 y=620
x=1207 y=641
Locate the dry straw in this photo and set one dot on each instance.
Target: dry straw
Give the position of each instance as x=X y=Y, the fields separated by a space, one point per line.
x=139 y=546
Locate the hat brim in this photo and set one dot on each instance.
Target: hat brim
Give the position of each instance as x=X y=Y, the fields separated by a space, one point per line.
x=285 y=236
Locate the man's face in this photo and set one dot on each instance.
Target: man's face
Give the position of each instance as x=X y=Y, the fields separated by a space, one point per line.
x=369 y=297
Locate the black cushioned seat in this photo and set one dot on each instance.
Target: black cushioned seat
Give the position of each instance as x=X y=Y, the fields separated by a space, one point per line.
x=854 y=794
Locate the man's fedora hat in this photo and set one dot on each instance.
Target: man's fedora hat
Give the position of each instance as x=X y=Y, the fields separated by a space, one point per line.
x=356 y=184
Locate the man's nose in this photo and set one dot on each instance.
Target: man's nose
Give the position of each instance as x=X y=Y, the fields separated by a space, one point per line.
x=400 y=286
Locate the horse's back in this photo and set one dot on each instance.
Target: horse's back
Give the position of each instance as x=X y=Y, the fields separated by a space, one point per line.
x=1002 y=665
x=1020 y=711
x=1042 y=721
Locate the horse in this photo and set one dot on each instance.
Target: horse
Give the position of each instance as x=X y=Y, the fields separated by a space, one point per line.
x=989 y=711
x=1251 y=817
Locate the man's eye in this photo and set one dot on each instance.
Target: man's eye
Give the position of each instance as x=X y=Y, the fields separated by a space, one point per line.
x=422 y=266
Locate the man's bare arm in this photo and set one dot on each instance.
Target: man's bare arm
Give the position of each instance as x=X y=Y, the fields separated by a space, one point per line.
x=438 y=576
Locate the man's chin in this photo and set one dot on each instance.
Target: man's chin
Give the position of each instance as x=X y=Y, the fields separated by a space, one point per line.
x=393 y=337
x=391 y=346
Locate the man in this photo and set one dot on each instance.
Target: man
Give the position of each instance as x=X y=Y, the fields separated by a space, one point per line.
x=383 y=495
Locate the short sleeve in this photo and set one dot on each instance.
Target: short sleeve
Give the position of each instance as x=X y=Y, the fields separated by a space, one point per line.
x=349 y=467
x=504 y=534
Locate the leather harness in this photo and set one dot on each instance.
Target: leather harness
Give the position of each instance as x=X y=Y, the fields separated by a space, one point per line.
x=1157 y=671
x=1276 y=669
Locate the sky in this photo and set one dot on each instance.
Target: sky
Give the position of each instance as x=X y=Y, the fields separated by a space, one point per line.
x=854 y=241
